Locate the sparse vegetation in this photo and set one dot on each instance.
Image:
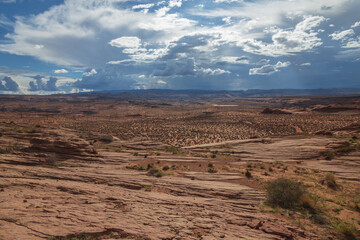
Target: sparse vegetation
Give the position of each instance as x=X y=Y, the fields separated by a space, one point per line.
x=331 y=181
x=106 y=138
x=285 y=193
x=248 y=174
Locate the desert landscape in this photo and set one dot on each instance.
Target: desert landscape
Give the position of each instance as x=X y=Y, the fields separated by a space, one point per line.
x=179 y=166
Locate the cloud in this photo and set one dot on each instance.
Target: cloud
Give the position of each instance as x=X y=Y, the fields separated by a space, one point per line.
x=183 y=67
x=343 y=35
x=142 y=6
x=134 y=44
x=40 y=85
x=268 y=69
x=217 y=71
x=8 y=84
x=305 y=64
x=59 y=71
x=235 y=60
x=126 y=42
x=90 y=73
x=7 y=1
x=5 y=22
x=263 y=62
x=352 y=43
x=287 y=42
x=356 y=24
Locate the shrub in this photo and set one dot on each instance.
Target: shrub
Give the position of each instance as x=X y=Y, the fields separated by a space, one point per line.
x=347 y=231
x=248 y=174
x=210 y=165
x=106 y=138
x=147 y=188
x=155 y=172
x=166 y=167
x=331 y=181
x=52 y=160
x=320 y=219
x=212 y=170
x=285 y=193
x=308 y=203
x=159 y=174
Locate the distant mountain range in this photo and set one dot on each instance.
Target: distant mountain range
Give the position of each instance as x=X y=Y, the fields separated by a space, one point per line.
x=203 y=94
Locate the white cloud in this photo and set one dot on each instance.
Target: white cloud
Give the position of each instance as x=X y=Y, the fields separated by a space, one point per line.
x=217 y=71
x=268 y=69
x=352 y=43
x=38 y=46
x=7 y=1
x=287 y=42
x=263 y=62
x=342 y=35
x=220 y=1
x=126 y=42
x=58 y=71
x=175 y=3
x=142 y=6
x=235 y=60
x=356 y=24
x=305 y=64
x=90 y=73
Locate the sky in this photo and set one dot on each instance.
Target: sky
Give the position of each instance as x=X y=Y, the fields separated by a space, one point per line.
x=57 y=46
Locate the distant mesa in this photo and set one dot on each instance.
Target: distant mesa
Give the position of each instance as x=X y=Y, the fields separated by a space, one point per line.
x=274 y=111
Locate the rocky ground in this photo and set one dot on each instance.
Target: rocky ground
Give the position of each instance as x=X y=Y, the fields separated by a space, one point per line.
x=54 y=183
x=176 y=171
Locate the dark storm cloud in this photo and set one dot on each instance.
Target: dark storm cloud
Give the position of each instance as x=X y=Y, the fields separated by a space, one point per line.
x=8 y=84
x=40 y=85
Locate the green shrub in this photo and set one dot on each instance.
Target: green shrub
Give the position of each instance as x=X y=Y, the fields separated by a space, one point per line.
x=347 y=231
x=147 y=188
x=285 y=193
x=159 y=174
x=210 y=165
x=166 y=167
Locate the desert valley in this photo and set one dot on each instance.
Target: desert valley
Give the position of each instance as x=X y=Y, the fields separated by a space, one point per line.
x=179 y=166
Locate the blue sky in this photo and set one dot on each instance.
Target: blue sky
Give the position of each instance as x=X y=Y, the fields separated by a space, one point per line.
x=49 y=46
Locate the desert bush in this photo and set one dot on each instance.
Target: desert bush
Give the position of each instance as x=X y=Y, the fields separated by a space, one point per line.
x=155 y=172
x=159 y=174
x=308 y=203
x=285 y=193
x=210 y=165
x=147 y=188
x=52 y=160
x=166 y=167
x=106 y=138
x=212 y=170
x=331 y=181
x=248 y=174
x=320 y=219
x=347 y=231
